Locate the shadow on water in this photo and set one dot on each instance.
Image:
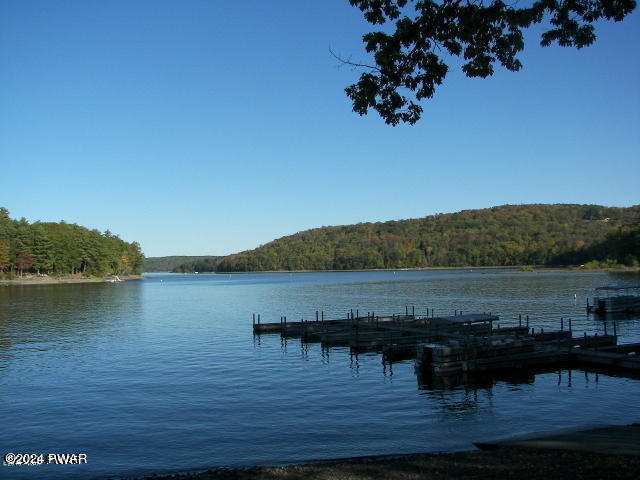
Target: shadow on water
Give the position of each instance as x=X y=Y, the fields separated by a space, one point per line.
x=429 y=382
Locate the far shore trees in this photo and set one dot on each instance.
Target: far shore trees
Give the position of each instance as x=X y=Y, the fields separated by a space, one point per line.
x=63 y=249
x=509 y=235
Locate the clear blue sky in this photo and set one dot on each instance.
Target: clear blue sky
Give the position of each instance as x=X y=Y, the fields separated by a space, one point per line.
x=200 y=127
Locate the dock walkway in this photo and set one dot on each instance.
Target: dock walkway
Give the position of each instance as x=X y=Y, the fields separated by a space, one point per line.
x=451 y=345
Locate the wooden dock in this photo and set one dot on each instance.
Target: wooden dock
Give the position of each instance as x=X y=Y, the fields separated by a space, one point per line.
x=452 y=345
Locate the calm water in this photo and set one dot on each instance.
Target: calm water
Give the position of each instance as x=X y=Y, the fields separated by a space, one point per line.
x=165 y=374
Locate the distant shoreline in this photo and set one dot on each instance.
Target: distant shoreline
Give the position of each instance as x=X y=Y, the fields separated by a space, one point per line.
x=510 y=268
x=36 y=280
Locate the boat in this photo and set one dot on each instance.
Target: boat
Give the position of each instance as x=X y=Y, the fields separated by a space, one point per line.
x=615 y=298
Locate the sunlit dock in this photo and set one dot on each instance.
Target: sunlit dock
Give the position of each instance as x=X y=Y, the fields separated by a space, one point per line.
x=460 y=343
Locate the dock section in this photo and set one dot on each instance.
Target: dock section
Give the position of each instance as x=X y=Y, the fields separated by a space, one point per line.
x=461 y=343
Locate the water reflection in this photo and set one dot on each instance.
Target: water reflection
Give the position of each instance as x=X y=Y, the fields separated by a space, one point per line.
x=429 y=382
x=57 y=317
x=132 y=368
x=354 y=362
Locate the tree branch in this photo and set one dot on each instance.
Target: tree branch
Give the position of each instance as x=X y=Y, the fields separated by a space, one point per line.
x=352 y=64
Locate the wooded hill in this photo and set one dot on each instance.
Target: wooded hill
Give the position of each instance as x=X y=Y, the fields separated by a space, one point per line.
x=167 y=264
x=63 y=249
x=505 y=235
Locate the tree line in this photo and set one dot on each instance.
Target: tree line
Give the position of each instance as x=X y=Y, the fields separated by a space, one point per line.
x=63 y=249
x=169 y=263
x=499 y=236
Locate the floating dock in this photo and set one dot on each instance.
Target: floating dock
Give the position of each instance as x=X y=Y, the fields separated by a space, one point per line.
x=619 y=299
x=459 y=344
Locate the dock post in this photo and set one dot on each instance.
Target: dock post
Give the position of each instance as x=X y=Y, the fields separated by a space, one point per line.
x=316 y=315
x=520 y=320
x=605 y=327
x=561 y=324
x=254 y=318
x=413 y=310
x=352 y=314
x=357 y=313
x=258 y=319
x=527 y=321
x=615 y=329
x=406 y=310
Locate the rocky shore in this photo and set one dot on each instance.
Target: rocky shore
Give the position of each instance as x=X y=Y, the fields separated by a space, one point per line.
x=503 y=463
x=47 y=280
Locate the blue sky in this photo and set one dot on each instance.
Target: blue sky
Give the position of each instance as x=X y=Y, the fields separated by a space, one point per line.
x=199 y=127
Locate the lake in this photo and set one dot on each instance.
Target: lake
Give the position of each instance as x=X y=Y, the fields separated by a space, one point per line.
x=165 y=374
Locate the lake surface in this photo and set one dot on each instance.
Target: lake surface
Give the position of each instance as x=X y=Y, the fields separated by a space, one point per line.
x=165 y=374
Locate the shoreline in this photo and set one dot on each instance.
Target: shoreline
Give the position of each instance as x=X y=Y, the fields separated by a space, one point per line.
x=502 y=463
x=35 y=280
x=508 y=269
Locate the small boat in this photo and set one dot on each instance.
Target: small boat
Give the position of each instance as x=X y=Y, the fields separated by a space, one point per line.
x=615 y=298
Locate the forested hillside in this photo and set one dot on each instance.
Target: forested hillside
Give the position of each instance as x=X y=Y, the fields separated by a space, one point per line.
x=63 y=249
x=506 y=235
x=201 y=264
x=167 y=264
